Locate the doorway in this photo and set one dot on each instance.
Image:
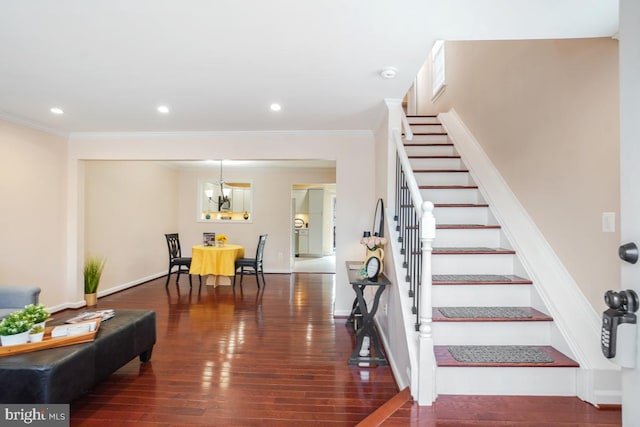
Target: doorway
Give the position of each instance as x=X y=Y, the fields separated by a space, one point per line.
x=313 y=228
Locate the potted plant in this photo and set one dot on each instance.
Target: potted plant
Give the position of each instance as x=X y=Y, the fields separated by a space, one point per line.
x=37 y=313
x=93 y=267
x=14 y=329
x=36 y=334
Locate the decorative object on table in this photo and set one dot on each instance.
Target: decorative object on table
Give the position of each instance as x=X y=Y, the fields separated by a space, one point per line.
x=37 y=313
x=372 y=268
x=14 y=329
x=209 y=239
x=221 y=239
x=374 y=240
x=373 y=245
x=93 y=267
x=36 y=333
x=86 y=316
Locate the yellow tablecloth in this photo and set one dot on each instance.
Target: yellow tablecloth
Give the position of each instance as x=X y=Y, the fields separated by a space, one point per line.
x=219 y=261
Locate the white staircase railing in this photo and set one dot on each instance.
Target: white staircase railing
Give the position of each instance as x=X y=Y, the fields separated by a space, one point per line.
x=416 y=227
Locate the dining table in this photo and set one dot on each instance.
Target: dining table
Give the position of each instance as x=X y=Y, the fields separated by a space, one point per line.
x=215 y=262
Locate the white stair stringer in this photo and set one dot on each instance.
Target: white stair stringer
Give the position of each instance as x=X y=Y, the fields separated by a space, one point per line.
x=458 y=202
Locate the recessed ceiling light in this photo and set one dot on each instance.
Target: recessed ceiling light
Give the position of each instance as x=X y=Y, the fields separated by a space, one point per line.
x=275 y=107
x=56 y=110
x=163 y=109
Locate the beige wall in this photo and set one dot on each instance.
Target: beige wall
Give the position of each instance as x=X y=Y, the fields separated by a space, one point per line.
x=33 y=195
x=547 y=114
x=271 y=215
x=129 y=206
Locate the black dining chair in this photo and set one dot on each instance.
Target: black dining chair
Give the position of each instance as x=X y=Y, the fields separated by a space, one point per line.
x=252 y=266
x=176 y=259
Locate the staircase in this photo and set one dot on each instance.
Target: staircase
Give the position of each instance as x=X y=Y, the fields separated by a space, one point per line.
x=483 y=303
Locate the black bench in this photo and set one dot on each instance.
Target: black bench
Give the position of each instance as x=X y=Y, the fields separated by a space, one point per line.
x=60 y=375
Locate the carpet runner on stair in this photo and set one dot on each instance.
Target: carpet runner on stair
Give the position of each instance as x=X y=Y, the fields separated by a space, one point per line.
x=484 y=312
x=498 y=354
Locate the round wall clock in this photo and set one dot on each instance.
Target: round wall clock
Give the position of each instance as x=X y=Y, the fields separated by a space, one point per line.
x=373 y=268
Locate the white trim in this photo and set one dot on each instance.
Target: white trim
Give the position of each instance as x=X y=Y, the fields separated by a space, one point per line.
x=208 y=134
x=32 y=125
x=577 y=321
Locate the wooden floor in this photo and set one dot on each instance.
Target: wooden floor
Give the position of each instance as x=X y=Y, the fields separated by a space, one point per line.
x=277 y=358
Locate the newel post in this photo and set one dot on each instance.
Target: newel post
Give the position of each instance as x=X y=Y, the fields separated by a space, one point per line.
x=427 y=363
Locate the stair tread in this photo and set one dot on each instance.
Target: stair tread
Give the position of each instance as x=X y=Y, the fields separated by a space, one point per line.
x=481 y=279
x=533 y=315
x=471 y=251
x=448 y=187
x=467 y=226
x=417 y=156
x=428 y=133
x=427 y=144
x=461 y=205
x=445 y=359
x=440 y=170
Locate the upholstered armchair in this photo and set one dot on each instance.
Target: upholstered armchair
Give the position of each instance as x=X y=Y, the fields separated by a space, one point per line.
x=14 y=298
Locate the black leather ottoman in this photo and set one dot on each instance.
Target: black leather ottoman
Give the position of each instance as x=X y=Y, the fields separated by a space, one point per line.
x=60 y=375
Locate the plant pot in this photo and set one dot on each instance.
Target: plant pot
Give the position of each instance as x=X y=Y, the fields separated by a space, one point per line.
x=36 y=337
x=91 y=299
x=21 y=338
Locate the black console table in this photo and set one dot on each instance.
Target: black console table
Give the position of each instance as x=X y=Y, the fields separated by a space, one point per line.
x=361 y=317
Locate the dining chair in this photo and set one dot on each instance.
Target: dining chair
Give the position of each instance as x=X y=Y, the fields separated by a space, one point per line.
x=252 y=266
x=176 y=259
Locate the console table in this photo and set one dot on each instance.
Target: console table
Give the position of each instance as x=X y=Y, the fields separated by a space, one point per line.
x=361 y=318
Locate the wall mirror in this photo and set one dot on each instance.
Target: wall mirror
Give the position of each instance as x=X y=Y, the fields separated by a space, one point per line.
x=221 y=201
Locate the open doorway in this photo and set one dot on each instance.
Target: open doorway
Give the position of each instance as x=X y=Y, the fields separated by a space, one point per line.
x=313 y=228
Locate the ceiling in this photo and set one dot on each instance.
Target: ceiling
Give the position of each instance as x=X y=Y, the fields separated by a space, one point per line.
x=219 y=64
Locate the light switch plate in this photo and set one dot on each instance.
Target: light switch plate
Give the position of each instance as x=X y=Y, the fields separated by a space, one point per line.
x=609 y=222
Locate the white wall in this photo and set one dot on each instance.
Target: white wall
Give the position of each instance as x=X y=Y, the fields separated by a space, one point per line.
x=32 y=217
x=352 y=151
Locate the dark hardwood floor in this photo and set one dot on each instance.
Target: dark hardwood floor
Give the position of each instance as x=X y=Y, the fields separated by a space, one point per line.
x=277 y=358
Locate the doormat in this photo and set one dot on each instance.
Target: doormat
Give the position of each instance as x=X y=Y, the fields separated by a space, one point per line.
x=498 y=354
x=484 y=312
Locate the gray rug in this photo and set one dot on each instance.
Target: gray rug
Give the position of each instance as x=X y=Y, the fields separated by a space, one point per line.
x=484 y=312
x=498 y=354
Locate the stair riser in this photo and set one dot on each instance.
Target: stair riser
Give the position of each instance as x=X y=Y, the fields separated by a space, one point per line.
x=421 y=120
x=468 y=238
x=427 y=128
x=506 y=381
x=481 y=295
x=473 y=264
x=446 y=163
x=430 y=150
x=492 y=333
x=457 y=196
x=443 y=178
x=431 y=138
x=461 y=215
